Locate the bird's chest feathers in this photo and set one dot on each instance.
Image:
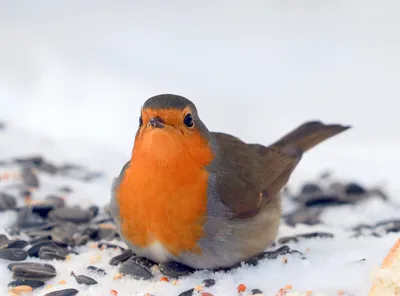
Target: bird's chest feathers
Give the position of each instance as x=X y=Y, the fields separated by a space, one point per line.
x=163 y=202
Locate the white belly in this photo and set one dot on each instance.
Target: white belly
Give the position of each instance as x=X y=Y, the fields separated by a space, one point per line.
x=157 y=252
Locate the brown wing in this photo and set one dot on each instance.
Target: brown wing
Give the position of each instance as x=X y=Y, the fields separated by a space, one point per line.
x=250 y=175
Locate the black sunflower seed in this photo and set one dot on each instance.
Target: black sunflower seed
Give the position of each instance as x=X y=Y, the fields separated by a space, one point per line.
x=125 y=255
x=135 y=270
x=65 y=292
x=29 y=177
x=64 y=233
x=187 y=292
x=256 y=292
x=143 y=261
x=34 y=271
x=96 y=270
x=83 y=279
x=208 y=283
x=30 y=283
x=48 y=255
x=34 y=250
x=295 y=238
x=70 y=214
x=7 y=202
x=13 y=254
x=32 y=265
x=14 y=244
x=81 y=240
x=175 y=269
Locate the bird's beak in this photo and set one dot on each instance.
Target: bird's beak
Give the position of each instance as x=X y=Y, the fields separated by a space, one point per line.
x=156 y=122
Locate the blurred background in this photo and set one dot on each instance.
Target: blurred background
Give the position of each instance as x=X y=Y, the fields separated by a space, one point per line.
x=80 y=70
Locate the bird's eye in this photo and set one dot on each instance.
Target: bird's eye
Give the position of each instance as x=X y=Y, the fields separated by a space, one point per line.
x=188 y=120
x=140 y=121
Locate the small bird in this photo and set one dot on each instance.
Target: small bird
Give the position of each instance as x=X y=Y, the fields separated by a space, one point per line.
x=203 y=199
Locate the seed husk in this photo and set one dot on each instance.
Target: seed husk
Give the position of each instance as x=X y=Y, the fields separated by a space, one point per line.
x=31 y=283
x=125 y=255
x=96 y=270
x=64 y=292
x=13 y=254
x=135 y=270
x=83 y=279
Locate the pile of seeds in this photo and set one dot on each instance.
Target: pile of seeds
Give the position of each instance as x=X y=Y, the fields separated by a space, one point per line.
x=314 y=197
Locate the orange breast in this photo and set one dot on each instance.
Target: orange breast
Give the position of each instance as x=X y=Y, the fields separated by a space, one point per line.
x=165 y=200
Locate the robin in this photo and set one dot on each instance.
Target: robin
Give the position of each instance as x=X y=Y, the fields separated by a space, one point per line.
x=203 y=199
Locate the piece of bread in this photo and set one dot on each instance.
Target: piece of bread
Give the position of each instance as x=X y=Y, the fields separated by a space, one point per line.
x=387 y=278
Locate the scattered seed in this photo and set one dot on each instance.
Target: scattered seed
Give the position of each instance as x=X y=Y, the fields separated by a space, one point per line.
x=33 y=284
x=288 y=287
x=125 y=255
x=48 y=255
x=33 y=271
x=308 y=293
x=82 y=240
x=83 y=279
x=35 y=249
x=175 y=282
x=198 y=288
x=14 y=244
x=113 y=292
x=241 y=288
x=96 y=270
x=257 y=292
x=164 y=279
x=65 y=292
x=340 y=292
x=21 y=289
x=187 y=293
x=208 y=283
x=13 y=254
x=70 y=214
x=175 y=269
x=118 y=276
x=135 y=270
x=206 y=294
x=285 y=260
x=146 y=263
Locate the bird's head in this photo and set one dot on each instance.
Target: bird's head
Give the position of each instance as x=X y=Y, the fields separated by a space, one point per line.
x=170 y=128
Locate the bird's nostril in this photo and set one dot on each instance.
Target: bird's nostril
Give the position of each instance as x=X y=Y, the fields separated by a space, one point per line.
x=156 y=122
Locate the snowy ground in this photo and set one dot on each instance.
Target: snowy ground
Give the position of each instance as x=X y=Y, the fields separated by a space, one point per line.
x=331 y=265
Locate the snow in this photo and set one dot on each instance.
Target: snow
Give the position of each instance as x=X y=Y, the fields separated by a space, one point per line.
x=331 y=265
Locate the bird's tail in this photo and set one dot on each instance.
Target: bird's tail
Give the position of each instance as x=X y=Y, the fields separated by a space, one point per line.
x=309 y=135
